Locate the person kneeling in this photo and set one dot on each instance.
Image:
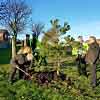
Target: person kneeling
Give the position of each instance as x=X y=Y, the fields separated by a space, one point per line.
x=21 y=62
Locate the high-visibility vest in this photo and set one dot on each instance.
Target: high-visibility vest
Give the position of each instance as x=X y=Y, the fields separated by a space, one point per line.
x=74 y=51
x=85 y=46
x=80 y=50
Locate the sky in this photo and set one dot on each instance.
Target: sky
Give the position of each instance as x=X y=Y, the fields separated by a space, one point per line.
x=82 y=15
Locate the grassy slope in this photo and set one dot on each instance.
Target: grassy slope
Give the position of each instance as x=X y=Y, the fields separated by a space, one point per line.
x=79 y=90
x=68 y=67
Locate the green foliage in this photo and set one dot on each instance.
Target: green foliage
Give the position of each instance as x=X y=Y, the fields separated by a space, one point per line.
x=69 y=40
x=56 y=90
x=79 y=89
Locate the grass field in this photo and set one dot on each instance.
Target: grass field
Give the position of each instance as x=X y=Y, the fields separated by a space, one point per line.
x=58 y=90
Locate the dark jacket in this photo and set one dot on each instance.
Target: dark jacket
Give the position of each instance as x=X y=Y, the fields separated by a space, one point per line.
x=22 y=62
x=20 y=59
x=92 y=53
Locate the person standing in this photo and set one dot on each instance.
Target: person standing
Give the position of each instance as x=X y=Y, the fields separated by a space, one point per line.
x=34 y=43
x=80 y=52
x=91 y=59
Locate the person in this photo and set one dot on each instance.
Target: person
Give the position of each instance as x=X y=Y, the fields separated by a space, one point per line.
x=34 y=43
x=21 y=62
x=80 y=52
x=91 y=58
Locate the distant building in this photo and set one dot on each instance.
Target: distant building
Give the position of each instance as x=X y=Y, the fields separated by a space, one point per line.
x=4 y=38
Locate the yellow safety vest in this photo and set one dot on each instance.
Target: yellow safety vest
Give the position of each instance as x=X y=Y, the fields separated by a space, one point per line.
x=76 y=51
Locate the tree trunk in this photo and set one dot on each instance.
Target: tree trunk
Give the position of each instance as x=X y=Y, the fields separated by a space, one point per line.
x=58 y=67
x=13 y=46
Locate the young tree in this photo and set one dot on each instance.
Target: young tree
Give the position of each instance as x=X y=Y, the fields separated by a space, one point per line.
x=14 y=14
x=52 y=36
x=69 y=40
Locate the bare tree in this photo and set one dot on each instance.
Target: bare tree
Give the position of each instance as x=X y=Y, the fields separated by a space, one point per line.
x=37 y=30
x=14 y=14
x=52 y=37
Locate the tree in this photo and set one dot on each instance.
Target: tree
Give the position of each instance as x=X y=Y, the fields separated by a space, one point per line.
x=14 y=14
x=37 y=30
x=52 y=36
x=69 y=40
